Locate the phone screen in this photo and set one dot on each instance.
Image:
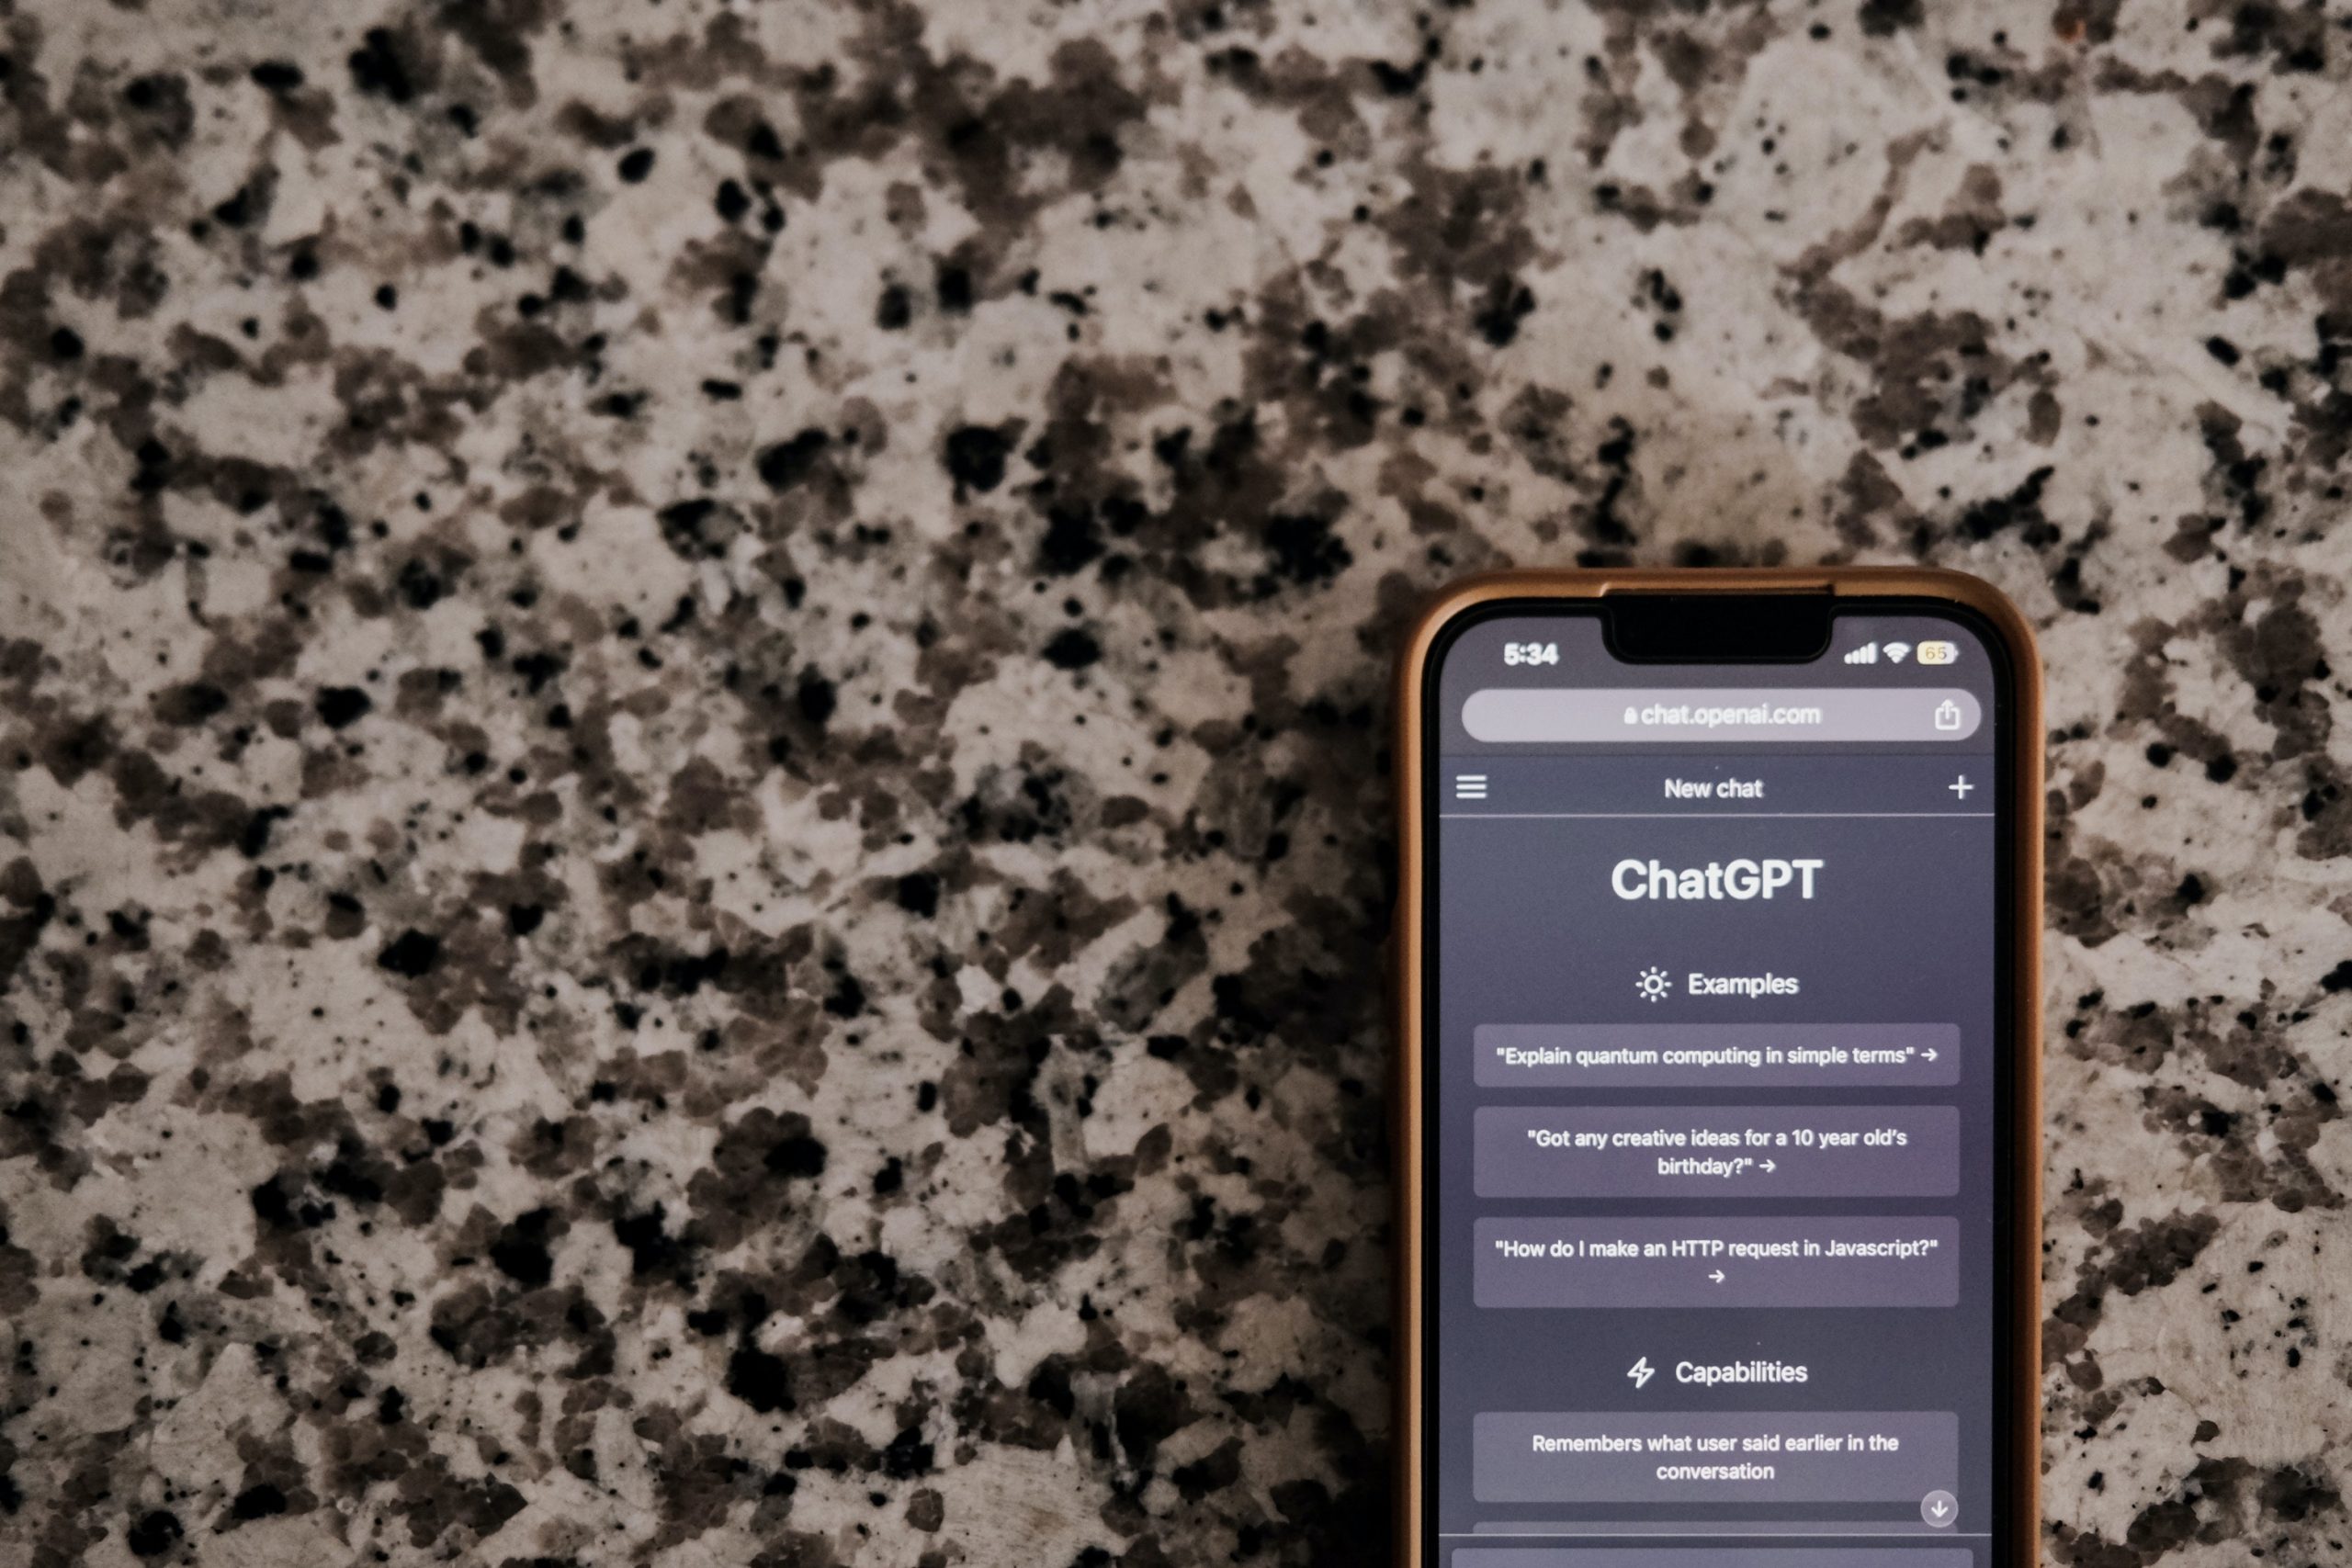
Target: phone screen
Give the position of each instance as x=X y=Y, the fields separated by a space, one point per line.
x=1713 y=1079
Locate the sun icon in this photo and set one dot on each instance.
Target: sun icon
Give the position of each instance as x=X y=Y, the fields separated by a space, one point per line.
x=1653 y=984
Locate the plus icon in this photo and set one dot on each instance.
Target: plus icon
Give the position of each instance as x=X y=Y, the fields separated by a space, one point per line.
x=1961 y=786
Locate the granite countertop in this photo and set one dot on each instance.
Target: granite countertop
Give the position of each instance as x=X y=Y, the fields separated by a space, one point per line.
x=694 y=836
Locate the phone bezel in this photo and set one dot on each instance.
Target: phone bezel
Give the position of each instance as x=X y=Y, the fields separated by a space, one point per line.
x=2017 y=834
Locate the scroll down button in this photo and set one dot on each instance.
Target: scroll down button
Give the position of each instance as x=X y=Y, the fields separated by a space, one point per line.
x=1941 y=1509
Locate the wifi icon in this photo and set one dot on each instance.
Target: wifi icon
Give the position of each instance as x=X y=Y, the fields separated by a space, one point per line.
x=1896 y=652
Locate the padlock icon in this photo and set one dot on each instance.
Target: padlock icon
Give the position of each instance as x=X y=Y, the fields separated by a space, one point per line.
x=1946 y=715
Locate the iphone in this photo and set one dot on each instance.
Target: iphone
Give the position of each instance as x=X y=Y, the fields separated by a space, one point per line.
x=1716 y=1093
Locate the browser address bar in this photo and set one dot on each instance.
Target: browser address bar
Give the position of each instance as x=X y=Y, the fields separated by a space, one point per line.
x=1539 y=715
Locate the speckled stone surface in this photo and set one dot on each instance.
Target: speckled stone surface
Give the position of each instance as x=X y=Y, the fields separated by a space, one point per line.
x=693 y=727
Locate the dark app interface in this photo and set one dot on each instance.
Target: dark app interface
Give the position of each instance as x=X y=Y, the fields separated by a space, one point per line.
x=1714 y=1102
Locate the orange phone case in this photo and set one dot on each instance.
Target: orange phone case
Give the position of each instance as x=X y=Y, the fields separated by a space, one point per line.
x=1915 y=582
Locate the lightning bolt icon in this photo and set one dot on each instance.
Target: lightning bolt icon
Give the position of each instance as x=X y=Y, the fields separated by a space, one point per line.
x=1641 y=1371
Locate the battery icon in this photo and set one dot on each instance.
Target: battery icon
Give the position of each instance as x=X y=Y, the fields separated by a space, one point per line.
x=1937 y=652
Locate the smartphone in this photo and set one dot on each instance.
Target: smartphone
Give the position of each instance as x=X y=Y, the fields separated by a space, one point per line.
x=1717 y=1098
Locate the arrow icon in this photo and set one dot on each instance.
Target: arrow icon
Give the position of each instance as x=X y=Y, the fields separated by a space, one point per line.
x=1767 y=1167
x=1717 y=1276
x=1939 y=1507
x=1930 y=1052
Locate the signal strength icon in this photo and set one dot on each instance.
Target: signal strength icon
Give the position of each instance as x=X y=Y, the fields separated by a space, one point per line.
x=1866 y=654
x=1896 y=652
